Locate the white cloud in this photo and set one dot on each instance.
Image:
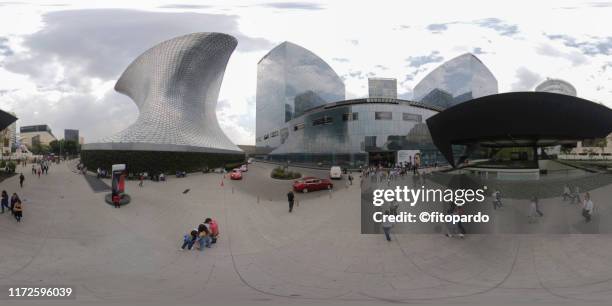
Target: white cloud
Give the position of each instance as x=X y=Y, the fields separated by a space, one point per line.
x=45 y=80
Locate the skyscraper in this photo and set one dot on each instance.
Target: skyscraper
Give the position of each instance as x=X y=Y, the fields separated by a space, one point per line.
x=72 y=135
x=464 y=78
x=290 y=80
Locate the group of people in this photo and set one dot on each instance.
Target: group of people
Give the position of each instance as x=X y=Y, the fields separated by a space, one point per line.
x=13 y=205
x=205 y=235
x=41 y=167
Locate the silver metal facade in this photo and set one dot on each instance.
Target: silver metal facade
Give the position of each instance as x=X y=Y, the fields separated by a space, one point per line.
x=291 y=80
x=458 y=80
x=175 y=85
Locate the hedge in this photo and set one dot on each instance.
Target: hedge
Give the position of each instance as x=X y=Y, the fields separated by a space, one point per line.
x=157 y=162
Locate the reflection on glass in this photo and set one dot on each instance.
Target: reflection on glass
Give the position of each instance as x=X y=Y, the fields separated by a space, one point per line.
x=290 y=81
x=461 y=79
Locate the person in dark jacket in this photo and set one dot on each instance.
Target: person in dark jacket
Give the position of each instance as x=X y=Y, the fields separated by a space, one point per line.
x=290 y=199
x=5 y=201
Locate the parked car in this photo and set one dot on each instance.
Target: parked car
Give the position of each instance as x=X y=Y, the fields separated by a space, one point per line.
x=236 y=174
x=250 y=160
x=310 y=183
x=335 y=172
x=244 y=168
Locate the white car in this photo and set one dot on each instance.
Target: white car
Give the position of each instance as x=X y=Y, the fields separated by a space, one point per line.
x=335 y=172
x=250 y=160
x=244 y=168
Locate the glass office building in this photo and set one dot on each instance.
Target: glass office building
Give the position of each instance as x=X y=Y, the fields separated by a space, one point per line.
x=290 y=80
x=458 y=80
x=358 y=132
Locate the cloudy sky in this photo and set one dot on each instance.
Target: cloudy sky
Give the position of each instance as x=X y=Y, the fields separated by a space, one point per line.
x=59 y=60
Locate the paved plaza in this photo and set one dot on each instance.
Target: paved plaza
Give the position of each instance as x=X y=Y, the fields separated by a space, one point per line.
x=266 y=256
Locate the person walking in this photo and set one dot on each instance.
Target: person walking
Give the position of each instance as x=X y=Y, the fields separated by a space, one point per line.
x=33 y=169
x=141 y=178
x=350 y=179
x=386 y=226
x=4 y=202
x=18 y=210
x=566 y=192
x=587 y=208
x=290 y=199
x=39 y=172
x=21 y=179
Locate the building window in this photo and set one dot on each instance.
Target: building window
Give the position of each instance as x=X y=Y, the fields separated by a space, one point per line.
x=323 y=120
x=383 y=115
x=370 y=141
x=266 y=136
x=350 y=116
x=412 y=117
x=299 y=126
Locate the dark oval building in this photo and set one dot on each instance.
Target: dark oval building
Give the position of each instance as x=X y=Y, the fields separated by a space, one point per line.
x=518 y=119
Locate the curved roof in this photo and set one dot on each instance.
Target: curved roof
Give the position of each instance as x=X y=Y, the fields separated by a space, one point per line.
x=519 y=119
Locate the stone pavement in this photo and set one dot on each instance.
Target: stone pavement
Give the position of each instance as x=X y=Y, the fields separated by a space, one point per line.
x=265 y=255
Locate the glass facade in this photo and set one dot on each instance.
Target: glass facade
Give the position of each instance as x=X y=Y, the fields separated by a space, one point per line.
x=461 y=79
x=290 y=81
x=350 y=134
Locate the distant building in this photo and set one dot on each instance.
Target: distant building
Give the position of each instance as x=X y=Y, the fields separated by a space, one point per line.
x=557 y=86
x=81 y=140
x=42 y=132
x=72 y=135
x=382 y=88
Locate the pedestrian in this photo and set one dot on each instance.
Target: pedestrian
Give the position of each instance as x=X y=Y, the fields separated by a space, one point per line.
x=4 y=202
x=534 y=210
x=21 y=179
x=14 y=199
x=566 y=192
x=33 y=169
x=587 y=208
x=497 y=203
x=290 y=199
x=386 y=225
x=141 y=178
x=189 y=239
x=350 y=178
x=116 y=198
x=18 y=210
x=39 y=172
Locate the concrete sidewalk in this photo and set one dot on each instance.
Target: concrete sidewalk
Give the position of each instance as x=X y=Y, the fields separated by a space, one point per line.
x=316 y=255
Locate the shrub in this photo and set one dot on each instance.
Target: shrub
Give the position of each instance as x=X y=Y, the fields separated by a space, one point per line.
x=282 y=174
x=2 y=164
x=12 y=165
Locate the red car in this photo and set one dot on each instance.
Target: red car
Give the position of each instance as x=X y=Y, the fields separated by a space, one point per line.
x=236 y=174
x=310 y=183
